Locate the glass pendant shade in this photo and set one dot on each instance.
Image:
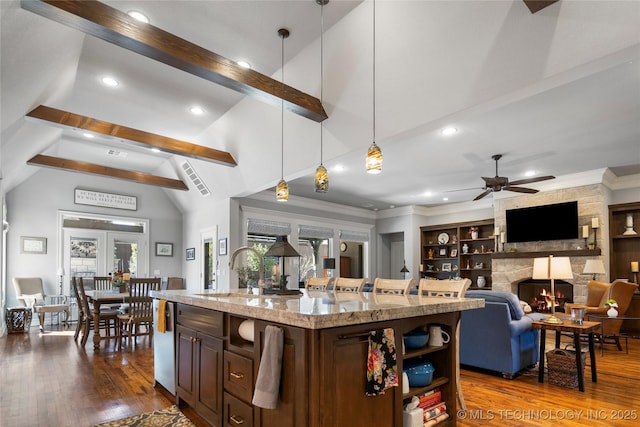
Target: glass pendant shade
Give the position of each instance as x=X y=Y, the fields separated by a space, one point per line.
x=282 y=191
x=322 y=179
x=374 y=159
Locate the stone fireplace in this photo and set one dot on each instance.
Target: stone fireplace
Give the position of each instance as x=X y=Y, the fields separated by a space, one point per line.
x=537 y=294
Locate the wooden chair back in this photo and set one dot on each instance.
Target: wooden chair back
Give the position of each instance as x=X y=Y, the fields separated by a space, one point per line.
x=392 y=286
x=83 y=301
x=344 y=284
x=140 y=301
x=102 y=283
x=318 y=283
x=175 y=283
x=443 y=288
x=76 y=292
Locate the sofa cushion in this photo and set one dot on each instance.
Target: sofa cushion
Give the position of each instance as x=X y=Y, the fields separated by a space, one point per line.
x=500 y=296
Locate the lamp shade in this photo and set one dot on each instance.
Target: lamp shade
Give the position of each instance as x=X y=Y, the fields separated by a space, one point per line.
x=282 y=248
x=594 y=266
x=552 y=268
x=329 y=263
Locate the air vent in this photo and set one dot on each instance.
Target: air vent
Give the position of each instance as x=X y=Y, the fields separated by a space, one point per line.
x=117 y=153
x=195 y=179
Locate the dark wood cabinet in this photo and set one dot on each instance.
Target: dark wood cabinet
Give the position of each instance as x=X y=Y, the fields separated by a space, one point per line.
x=199 y=358
x=460 y=249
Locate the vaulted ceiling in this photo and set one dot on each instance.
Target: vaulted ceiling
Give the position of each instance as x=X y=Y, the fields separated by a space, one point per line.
x=557 y=91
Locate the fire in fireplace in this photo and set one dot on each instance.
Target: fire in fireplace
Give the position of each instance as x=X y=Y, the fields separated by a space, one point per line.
x=537 y=293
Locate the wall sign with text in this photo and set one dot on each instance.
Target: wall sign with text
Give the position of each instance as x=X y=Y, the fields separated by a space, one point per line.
x=105 y=200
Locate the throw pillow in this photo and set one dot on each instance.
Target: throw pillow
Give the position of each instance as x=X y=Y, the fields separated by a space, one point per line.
x=32 y=300
x=525 y=307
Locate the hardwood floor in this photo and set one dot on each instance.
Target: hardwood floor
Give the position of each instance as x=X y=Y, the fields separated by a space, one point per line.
x=49 y=380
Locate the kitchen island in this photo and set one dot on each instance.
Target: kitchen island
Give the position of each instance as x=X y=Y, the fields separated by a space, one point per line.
x=324 y=359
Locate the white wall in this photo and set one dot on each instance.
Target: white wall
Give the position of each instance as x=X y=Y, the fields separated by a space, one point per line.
x=32 y=210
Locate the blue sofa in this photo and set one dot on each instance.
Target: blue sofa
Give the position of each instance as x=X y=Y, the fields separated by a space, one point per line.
x=498 y=337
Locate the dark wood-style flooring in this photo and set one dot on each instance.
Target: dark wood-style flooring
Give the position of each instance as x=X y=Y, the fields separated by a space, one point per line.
x=49 y=380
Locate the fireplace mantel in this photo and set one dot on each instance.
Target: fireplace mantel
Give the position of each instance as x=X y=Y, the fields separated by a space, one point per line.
x=537 y=254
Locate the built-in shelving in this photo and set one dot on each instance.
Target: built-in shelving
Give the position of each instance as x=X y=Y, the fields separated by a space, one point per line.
x=536 y=254
x=443 y=246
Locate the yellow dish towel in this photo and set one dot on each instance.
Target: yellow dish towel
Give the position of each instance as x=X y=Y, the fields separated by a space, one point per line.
x=162 y=319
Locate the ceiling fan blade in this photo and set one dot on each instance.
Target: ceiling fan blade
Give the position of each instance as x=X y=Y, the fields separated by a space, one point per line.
x=465 y=189
x=480 y=196
x=520 y=189
x=531 y=180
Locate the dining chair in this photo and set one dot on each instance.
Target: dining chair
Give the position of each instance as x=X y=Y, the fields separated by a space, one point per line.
x=102 y=283
x=30 y=293
x=392 y=286
x=318 y=283
x=175 y=283
x=108 y=318
x=433 y=288
x=140 y=311
x=345 y=284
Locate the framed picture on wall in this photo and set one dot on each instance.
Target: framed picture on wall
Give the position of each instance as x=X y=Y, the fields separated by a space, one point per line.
x=191 y=254
x=33 y=245
x=443 y=252
x=454 y=253
x=446 y=266
x=222 y=246
x=164 y=249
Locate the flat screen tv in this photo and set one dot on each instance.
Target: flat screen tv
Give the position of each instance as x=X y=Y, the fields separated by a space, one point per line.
x=537 y=223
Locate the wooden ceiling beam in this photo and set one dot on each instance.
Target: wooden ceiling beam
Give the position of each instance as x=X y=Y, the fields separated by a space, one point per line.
x=116 y=27
x=141 y=138
x=537 y=5
x=90 y=168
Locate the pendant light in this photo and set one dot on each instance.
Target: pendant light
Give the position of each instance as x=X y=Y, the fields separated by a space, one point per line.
x=374 y=154
x=322 y=177
x=282 y=189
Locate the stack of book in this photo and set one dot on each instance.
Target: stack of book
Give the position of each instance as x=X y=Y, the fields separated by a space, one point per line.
x=434 y=410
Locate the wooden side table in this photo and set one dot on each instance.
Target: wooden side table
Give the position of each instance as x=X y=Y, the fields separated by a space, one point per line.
x=566 y=326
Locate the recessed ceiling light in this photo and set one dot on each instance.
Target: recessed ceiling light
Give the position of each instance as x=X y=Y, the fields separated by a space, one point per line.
x=139 y=16
x=446 y=199
x=338 y=168
x=198 y=111
x=530 y=173
x=428 y=194
x=110 y=81
x=88 y=135
x=244 y=64
x=450 y=130
x=392 y=206
x=155 y=150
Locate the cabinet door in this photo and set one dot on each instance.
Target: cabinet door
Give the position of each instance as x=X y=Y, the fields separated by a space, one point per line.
x=291 y=410
x=186 y=367
x=343 y=378
x=209 y=402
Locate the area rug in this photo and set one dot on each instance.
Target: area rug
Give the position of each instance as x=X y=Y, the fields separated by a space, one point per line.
x=168 y=417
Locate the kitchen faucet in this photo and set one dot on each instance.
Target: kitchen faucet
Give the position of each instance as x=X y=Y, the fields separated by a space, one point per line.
x=260 y=261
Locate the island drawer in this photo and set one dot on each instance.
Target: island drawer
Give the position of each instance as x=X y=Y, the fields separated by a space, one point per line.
x=210 y=322
x=238 y=375
x=236 y=412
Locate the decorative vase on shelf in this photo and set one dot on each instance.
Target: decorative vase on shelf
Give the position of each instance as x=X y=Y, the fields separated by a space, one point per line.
x=465 y=249
x=481 y=281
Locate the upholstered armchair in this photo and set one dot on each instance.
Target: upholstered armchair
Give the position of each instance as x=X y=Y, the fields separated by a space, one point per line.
x=30 y=293
x=597 y=296
x=622 y=292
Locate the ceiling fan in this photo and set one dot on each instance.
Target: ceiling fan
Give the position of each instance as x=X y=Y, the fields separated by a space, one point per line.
x=499 y=183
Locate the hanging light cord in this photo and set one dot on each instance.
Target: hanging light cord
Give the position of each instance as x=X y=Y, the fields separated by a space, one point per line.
x=374 y=71
x=322 y=3
x=282 y=114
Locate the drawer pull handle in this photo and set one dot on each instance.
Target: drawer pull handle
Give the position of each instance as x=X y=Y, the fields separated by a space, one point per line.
x=236 y=420
x=237 y=376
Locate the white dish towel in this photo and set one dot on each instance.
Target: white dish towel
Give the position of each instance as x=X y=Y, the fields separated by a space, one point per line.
x=268 y=383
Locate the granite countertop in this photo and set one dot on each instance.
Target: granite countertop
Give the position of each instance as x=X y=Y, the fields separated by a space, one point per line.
x=319 y=310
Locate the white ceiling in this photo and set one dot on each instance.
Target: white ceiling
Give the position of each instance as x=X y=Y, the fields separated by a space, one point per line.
x=557 y=92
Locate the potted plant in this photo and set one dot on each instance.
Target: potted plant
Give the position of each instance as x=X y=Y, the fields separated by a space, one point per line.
x=613 y=305
x=591 y=244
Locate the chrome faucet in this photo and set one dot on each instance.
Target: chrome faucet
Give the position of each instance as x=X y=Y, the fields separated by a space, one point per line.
x=260 y=261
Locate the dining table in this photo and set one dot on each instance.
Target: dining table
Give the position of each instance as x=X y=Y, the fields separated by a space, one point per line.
x=97 y=299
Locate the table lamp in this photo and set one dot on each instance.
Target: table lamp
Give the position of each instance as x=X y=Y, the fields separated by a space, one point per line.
x=60 y=274
x=552 y=268
x=594 y=266
x=635 y=268
x=404 y=270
